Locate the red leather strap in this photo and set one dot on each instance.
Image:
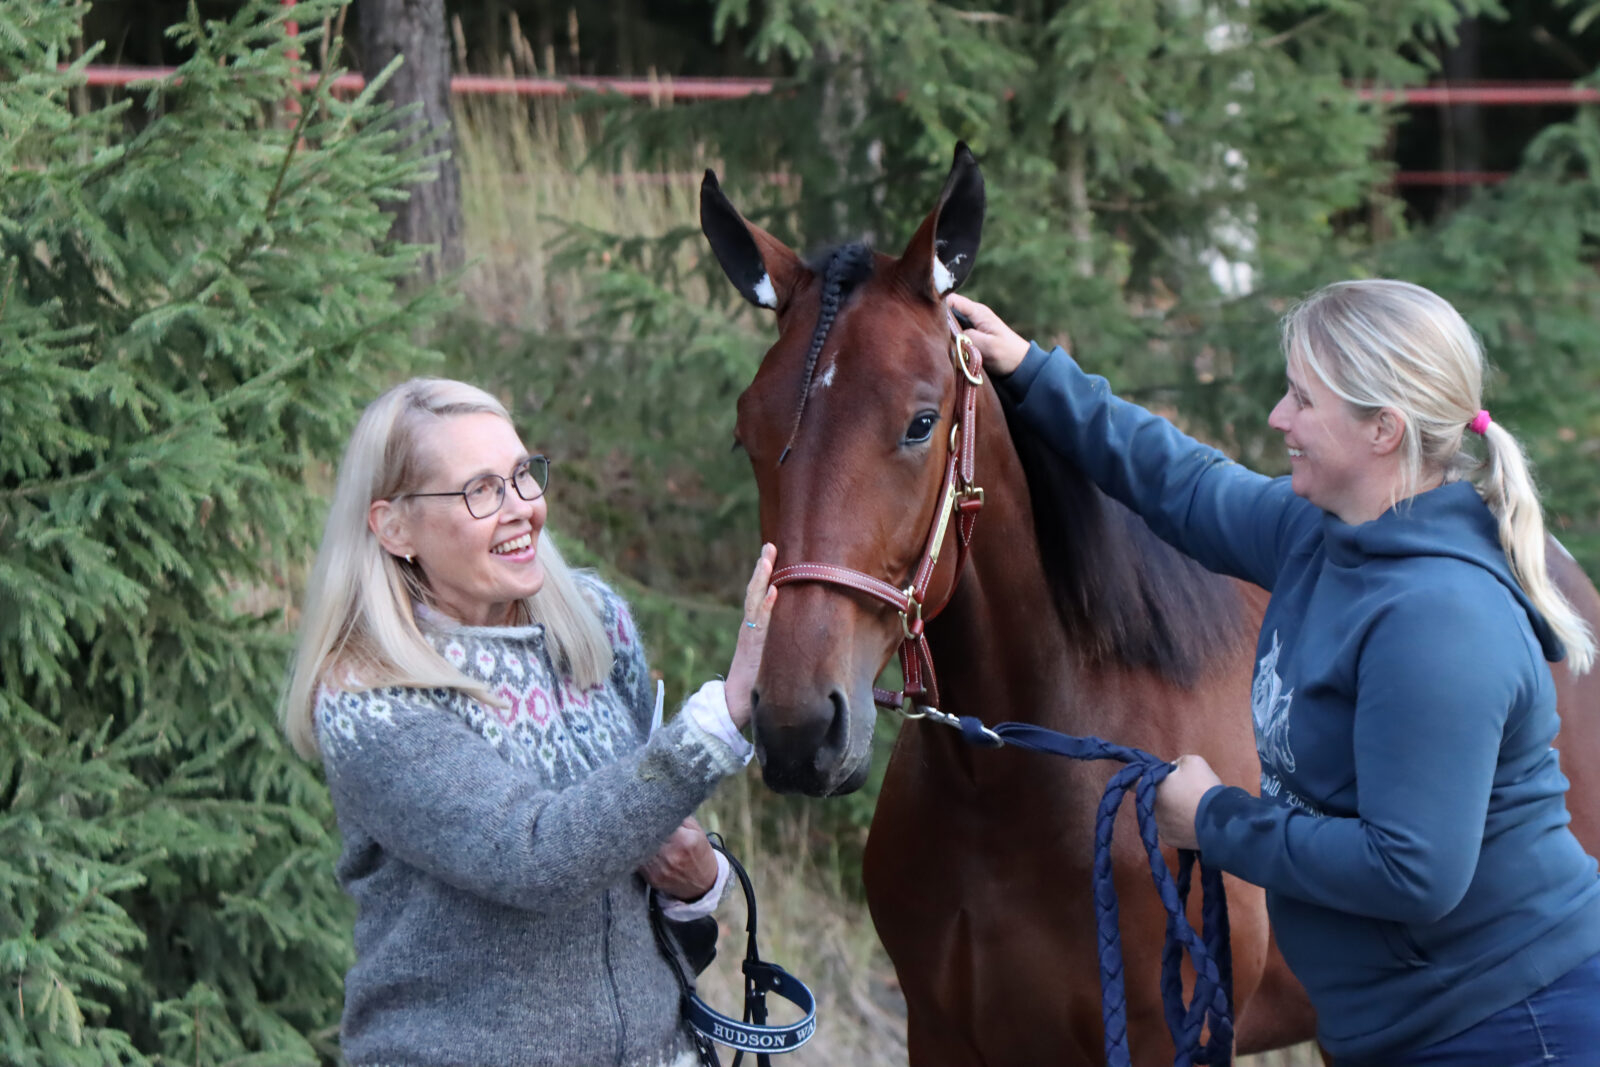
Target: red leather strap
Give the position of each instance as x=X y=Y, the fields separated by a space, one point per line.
x=833 y=574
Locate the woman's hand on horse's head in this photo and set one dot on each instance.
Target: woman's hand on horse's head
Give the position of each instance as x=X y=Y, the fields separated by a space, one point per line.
x=684 y=866
x=1002 y=347
x=759 y=596
x=1178 y=801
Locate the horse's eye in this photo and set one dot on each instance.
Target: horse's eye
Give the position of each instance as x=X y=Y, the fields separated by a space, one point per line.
x=921 y=427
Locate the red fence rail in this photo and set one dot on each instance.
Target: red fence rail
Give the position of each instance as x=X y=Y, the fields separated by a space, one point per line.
x=488 y=85
x=1480 y=94
x=1484 y=94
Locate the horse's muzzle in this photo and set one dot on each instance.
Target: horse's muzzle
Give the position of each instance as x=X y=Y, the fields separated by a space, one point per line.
x=812 y=748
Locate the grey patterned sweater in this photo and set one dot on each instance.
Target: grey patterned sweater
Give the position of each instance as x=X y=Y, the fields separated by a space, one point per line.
x=492 y=854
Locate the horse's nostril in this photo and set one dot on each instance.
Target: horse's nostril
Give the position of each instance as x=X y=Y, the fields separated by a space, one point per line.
x=839 y=725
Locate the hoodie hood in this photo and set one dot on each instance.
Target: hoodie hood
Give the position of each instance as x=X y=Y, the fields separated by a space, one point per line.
x=1450 y=521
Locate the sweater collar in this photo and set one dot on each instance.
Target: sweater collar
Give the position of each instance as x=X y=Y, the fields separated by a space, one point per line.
x=431 y=620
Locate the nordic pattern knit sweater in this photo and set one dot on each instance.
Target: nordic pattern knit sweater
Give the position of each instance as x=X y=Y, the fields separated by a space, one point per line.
x=492 y=854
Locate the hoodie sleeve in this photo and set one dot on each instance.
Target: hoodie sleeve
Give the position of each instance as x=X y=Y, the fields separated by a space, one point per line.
x=1438 y=674
x=438 y=796
x=1227 y=517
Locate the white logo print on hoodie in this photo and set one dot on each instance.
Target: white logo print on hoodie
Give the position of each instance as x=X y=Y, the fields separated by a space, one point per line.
x=1269 y=705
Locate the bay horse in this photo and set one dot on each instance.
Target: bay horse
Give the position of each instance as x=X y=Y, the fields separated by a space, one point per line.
x=1066 y=612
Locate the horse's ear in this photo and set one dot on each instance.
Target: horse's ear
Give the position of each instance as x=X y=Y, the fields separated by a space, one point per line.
x=761 y=267
x=945 y=246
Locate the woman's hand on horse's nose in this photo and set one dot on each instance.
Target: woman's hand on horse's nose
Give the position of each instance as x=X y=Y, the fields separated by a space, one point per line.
x=1002 y=347
x=684 y=866
x=759 y=596
x=1178 y=800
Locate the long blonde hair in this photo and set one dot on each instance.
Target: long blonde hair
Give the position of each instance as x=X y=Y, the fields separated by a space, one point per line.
x=358 y=630
x=1381 y=343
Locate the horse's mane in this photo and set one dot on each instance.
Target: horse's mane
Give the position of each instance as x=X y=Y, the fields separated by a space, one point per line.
x=1122 y=593
x=841 y=269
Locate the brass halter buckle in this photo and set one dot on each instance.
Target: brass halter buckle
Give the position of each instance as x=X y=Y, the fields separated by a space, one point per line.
x=912 y=615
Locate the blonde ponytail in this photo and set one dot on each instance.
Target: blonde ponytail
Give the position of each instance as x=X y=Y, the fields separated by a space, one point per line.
x=1506 y=485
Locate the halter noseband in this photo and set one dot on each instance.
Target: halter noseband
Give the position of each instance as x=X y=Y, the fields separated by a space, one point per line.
x=960 y=498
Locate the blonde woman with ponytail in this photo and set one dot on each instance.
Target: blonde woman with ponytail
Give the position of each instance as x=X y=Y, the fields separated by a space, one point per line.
x=506 y=794
x=1412 y=829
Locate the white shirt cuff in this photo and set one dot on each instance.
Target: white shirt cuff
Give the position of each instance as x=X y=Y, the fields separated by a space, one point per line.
x=707 y=708
x=681 y=911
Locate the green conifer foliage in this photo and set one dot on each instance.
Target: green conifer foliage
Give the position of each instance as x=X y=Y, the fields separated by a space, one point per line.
x=196 y=296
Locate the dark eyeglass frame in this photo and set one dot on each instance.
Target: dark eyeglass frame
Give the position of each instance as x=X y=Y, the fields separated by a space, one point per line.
x=537 y=466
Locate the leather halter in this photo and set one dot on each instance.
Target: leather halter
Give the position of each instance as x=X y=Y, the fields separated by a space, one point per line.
x=958 y=497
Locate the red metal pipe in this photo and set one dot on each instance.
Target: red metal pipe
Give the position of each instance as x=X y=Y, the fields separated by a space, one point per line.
x=1512 y=94
x=1485 y=94
x=688 y=88
x=480 y=85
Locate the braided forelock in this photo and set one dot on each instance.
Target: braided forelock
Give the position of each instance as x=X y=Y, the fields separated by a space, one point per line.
x=846 y=267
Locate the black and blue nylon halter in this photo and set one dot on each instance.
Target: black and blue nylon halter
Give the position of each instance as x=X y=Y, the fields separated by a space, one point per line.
x=1211 y=1007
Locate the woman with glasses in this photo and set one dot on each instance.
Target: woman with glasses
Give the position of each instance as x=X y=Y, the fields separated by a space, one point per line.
x=485 y=719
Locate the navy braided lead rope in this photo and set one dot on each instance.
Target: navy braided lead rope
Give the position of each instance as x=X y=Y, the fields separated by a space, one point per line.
x=1212 y=1004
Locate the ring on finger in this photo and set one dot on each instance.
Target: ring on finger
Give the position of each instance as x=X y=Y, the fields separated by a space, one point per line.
x=751 y=624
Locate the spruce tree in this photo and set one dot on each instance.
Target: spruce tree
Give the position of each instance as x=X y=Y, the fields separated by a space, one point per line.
x=196 y=296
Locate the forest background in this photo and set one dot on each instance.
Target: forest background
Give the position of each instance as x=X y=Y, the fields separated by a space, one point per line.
x=199 y=288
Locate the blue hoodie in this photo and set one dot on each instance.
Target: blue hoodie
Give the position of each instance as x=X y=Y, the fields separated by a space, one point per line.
x=1411 y=831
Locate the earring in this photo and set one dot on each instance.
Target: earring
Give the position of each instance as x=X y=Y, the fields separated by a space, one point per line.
x=408 y=558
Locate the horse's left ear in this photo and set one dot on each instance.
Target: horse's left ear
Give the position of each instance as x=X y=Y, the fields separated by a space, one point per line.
x=945 y=246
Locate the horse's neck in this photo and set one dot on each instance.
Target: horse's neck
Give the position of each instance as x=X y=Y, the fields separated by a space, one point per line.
x=1003 y=650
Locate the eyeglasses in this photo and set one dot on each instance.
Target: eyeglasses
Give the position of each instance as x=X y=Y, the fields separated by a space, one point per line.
x=485 y=494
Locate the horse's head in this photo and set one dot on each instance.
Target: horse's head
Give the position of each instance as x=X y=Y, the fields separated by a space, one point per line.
x=848 y=426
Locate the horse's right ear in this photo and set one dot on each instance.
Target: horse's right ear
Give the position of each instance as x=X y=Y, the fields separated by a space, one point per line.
x=761 y=267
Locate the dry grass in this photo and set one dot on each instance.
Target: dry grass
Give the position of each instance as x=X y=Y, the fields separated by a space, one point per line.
x=522 y=186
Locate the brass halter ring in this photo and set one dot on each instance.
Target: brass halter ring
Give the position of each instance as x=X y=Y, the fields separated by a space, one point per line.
x=962 y=355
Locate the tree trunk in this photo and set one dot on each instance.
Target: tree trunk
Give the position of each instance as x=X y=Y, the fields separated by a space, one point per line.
x=416 y=29
x=843 y=111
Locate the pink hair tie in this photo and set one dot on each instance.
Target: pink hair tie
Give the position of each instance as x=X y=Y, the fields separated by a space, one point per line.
x=1480 y=422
